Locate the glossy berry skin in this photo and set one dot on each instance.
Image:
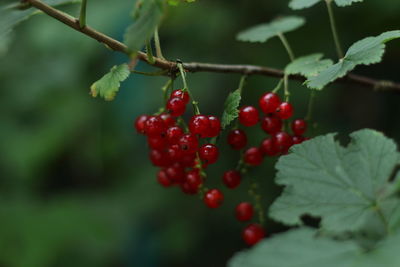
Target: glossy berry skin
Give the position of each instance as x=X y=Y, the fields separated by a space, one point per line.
x=271 y=124
x=199 y=124
x=284 y=111
x=244 y=211
x=154 y=126
x=269 y=102
x=252 y=234
x=208 y=153
x=156 y=142
x=176 y=106
x=299 y=127
x=237 y=139
x=175 y=173
x=253 y=156
x=193 y=179
x=173 y=134
x=140 y=123
x=215 y=126
x=268 y=147
x=213 y=198
x=179 y=93
x=188 y=143
x=169 y=121
x=174 y=153
x=248 y=116
x=232 y=179
x=163 y=179
x=297 y=139
x=159 y=158
x=283 y=141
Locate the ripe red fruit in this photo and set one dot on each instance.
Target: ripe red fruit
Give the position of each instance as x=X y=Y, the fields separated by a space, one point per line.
x=193 y=179
x=140 y=123
x=299 y=127
x=168 y=120
x=173 y=134
x=244 y=211
x=174 y=153
x=176 y=106
x=253 y=156
x=237 y=139
x=156 y=142
x=163 y=179
x=252 y=234
x=213 y=198
x=199 y=124
x=284 y=111
x=271 y=124
x=298 y=139
x=268 y=147
x=175 y=173
x=283 y=141
x=208 y=153
x=188 y=160
x=154 y=126
x=215 y=126
x=231 y=179
x=187 y=189
x=188 y=143
x=269 y=102
x=159 y=158
x=179 y=93
x=248 y=116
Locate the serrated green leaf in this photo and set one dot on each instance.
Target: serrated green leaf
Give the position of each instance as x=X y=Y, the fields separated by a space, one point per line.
x=300 y=4
x=343 y=185
x=297 y=248
x=308 y=66
x=263 y=32
x=147 y=20
x=231 y=105
x=109 y=84
x=364 y=52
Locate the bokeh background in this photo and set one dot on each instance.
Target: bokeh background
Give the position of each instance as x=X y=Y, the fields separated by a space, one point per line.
x=76 y=187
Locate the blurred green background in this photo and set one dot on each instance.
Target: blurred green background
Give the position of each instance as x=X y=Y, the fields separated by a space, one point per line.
x=75 y=186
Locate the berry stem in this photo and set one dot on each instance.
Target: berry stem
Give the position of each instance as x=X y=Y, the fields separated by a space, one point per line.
x=149 y=51
x=158 y=44
x=311 y=102
x=257 y=201
x=242 y=83
x=335 y=34
x=157 y=73
x=287 y=46
x=165 y=90
x=82 y=15
x=286 y=87
x=186 y=88
x=278 y=86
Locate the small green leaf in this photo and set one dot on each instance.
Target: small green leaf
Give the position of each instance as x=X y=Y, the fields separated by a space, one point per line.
x=147 y=20
x=109 y=84
x=344 y=186
x=364 y=52
x=308 y=66
x=263 y=32
x=231 y=108
x=300 y=4
x=176 y=2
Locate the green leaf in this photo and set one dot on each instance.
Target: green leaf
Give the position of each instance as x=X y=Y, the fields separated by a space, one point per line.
x=364 y=52
x=109 y=84
x=300 y=4
x=263 y=32
x=343 y=185
x=297 y=248
x=308 y=66
x=176 y=2
x=147 y=20
x=231 y=107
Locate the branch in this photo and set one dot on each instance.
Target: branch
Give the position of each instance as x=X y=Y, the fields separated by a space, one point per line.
x=199 y=67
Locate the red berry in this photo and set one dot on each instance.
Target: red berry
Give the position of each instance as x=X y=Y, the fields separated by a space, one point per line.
x=237 y=139
x=193 y=179
x=140 y=123
x=231 y=179
x=176 y=106
x=283 y=141
x=199 y=124
x=248 y=116
x=253 y=156
x=215 y=126
x=168 y=120
x=163 y=179
x=174 y=153
x=213 y=198
x=188 y=143
x=154 y=126
x=174 y=134
x=208 y=153
x=252 y=234
x=271 y=124
x=175 y=173
x=179 y=93
x=187 y=189
x=269 y=102
x=244 y=211
x=284 y=111
x=268 y=147
x=188 y=160
x=159 y=158
x=156 y=142
x=298 y=139
x=299 y=127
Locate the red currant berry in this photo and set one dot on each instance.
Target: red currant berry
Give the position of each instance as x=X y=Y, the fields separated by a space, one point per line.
x=248 y=116
x=140 y=123
x=176 y=106
x=215 y=126
x=199 y=124
x=163 y=179
x=193 y=179
x=188 y=160
x=237 y=139
x=189 y=143
x=268 y=147
x=208 y=153
x=188 y=189
x=231 y=179
x=168 y=119
x=159 y=158
x=181 y=94
x=174 y=134
x=297 y=139
x=213 y=198
x=284 y=111
x=154 y=126
x=156 y=142
x=299 y=127
x=253 y=156
x=174 y=153
x=252 y=234
x=283 y=141
x=271 y=124
x=175 y=173
x=269 y=102
x=244 y=211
